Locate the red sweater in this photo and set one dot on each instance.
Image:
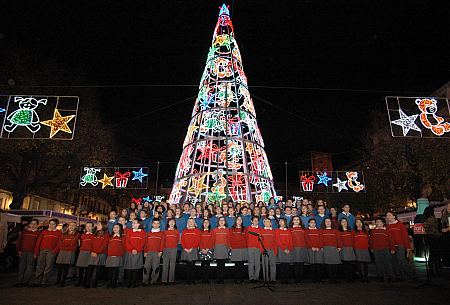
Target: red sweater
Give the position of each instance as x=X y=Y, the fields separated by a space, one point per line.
x=171 y=238
x=27 y=241
x=361 y=240
x=399 y=235
x=206 y=240
x=331 y=238
x=48 y=240
x=298 y=237
x=100 y=244
x=238 y=240
x=269 y=240
x=135 y=240
x=252 y=240
x=86 y=242
x=116 y=246
x=155 y=242
x=68 y=242
x=221 y=236
x=347 y=238
x=381 y=239
x=313 y=238
x=284 y=239
x=190 y=239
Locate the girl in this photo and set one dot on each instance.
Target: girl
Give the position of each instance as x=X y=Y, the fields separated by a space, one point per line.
x=380 y=243
x=116 y=250
x=206 y=246
x=299 y=253
x=432 y=238
x=25 y=249
x=144 y=220
x=361 y=246
x=134 y=244
x=331 y=247
x=171 y=238
x=152 y=252
x=231 y=218
x=66 y=256
x=401 y=267
x=98 y=254
x=85 y=252
x=283 y=238
x=304 y=216
x=180 y=219
x=238 y=245
x=314 y=244
x=347 y=252
x=221 y=237
x=45 y=252
x=254 y=250
x=334 y=218
x=190 y=240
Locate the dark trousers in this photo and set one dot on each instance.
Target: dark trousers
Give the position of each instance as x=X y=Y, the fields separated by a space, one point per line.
x=284 y=272
x=316 y=271
x=190 y=271
x=298 y=269
x=63 y=269
x=332 y=272
x=91 y=276
x=205 y=271
x=113 y=276
x=220 y=270
x=239 y=271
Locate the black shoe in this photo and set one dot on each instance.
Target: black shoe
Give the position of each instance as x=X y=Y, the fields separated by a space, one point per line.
x=145 y=285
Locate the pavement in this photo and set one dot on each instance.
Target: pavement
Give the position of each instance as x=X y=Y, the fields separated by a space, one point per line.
x=229 y=293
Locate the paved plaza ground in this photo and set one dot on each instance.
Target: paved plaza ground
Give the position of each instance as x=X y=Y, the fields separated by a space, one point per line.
x=343 y=293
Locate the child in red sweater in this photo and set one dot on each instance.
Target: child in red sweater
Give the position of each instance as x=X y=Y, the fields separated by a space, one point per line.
x=269 y=262
x=99 y=253
x=238 y=246
x=206 y=247
x=331 y=247
x=171 y=238
x=283 y=238
x=134 y=245
x=152 y=252
x=190 y=240
x=45 y=252
x=25 y=248
x=361 y=247
x=299 y=253
x=347 y=253
x=85 y=252
x=221 y=236
x=66 y=257
x=380 y=243
x=314 y=244
x=116 y=250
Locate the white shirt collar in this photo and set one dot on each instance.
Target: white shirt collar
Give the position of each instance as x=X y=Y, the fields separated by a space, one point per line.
x=269 y=228
x=138 y=230
x=116 y=235
x=156 y=230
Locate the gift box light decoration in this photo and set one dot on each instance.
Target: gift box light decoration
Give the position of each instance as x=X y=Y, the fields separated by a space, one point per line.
x=114 y=177
x=419 y=117
x=332 y=182
x=38 y=117
x=223 y=154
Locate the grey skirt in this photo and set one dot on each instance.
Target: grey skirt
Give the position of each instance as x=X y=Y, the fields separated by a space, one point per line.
x=221 y=252
x=362 y=255
x=331 y=256
x=347 y=254
x=283 y=257
x=239 y=255
x=299 y=255
x=315 y=257
x=133 y=261
x=98 y=260
x=65 y=257
x=83 y=259
x=192 y=256
x=114 y=261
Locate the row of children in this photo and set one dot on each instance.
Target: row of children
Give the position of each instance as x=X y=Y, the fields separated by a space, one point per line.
x=133 y=253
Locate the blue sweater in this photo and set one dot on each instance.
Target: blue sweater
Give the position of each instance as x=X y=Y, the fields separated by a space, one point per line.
x=350 y=219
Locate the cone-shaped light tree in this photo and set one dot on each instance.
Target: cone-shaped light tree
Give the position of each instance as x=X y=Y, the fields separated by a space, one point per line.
x=223 y=154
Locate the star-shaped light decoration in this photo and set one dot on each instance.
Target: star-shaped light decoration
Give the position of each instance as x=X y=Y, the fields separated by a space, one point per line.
x=138 y=175
x=198 y=184
x=323 y=179
x=406 y=122
x=147 y=199
x=2 y=110
x=341 y=185
x=106 y=181
x=58 y=123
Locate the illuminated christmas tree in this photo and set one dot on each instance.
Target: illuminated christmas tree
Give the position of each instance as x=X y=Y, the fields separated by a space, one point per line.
x=223 y=153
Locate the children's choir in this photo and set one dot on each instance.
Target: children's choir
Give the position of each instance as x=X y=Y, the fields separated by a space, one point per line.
x=138 y=251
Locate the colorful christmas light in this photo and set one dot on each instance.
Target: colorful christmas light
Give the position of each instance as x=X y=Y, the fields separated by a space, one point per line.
x=114 y=177
x=332 y=182
x=106 y=181
x=323 y=178
x=223 y=153
x=138 y=175
x=58 y=123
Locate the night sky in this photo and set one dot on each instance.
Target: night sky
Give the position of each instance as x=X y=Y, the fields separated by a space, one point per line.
x=368 y=48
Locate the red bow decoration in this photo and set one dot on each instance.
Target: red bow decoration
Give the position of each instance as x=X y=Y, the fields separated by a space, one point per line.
x=136 y=200
x=307 y=182
x=122 y=179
